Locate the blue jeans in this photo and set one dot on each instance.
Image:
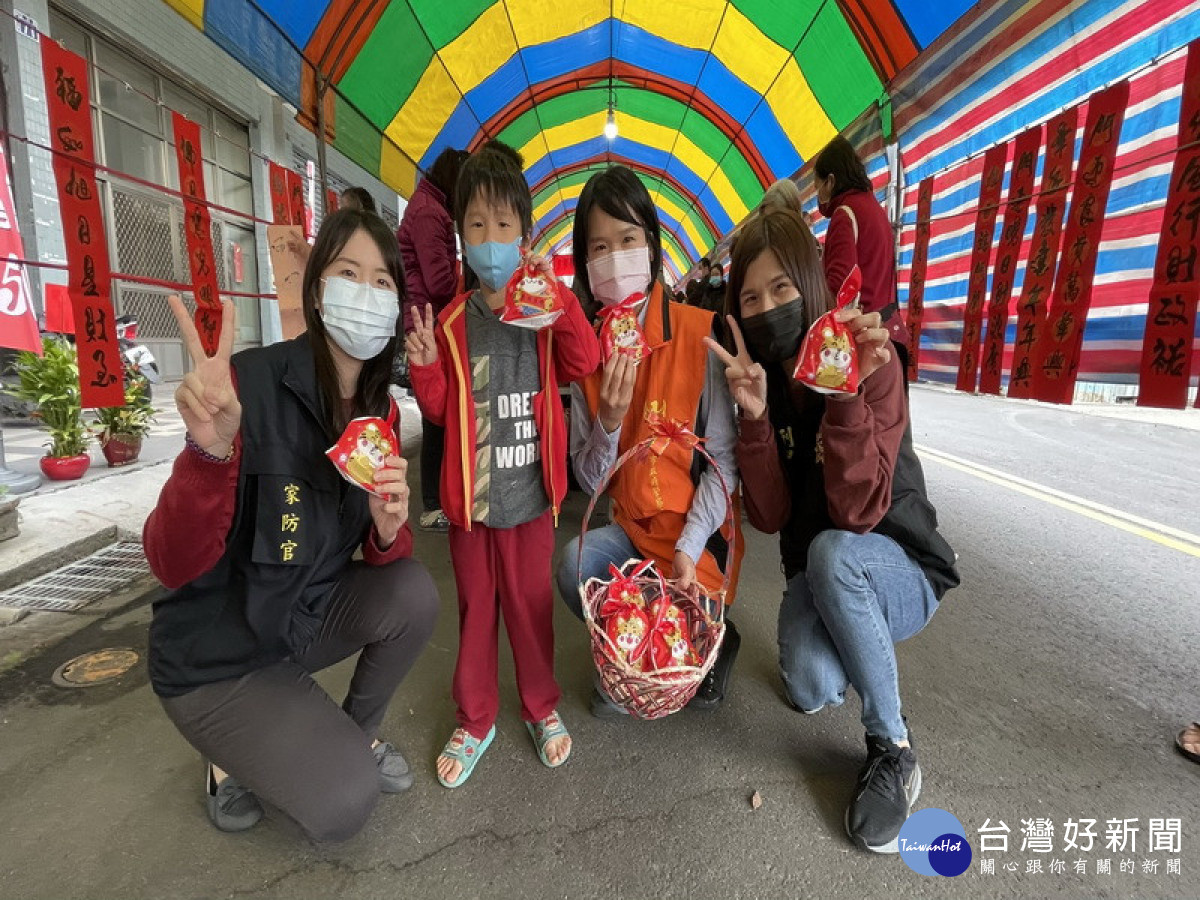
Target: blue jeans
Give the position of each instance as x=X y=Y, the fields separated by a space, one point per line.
x=839 y=622
x=601 y=546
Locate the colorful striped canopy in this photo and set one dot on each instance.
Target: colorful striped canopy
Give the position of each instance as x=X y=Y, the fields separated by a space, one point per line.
x=713 y=100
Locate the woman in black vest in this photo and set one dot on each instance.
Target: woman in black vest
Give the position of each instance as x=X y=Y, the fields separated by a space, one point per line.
x=254 y=534
x=837 y=478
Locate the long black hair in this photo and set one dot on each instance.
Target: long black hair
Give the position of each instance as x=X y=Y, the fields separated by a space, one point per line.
x=443 y=174
x=621 y=194
x=371 y=392
x=840 y=160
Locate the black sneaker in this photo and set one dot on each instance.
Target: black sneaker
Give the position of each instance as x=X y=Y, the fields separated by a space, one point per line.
x=604 y=708
x=888 y=786
x=231 y=807
x=395 y=776
x=712 y=689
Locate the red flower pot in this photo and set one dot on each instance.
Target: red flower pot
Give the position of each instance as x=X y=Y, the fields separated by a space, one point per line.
x=65 y=468
x=121 y=449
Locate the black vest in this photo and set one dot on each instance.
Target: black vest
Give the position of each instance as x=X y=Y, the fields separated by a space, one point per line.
x=296 y=524
x=911 y=520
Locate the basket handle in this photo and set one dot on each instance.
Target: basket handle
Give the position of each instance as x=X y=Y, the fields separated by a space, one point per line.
x=666 y=431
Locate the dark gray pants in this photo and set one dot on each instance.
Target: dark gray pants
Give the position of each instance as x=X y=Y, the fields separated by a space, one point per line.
x=278 y=733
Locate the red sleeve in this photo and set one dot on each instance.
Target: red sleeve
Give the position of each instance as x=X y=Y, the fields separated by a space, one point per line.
x=431 y=383
x=861 y=439
x=576 y=348
x=401 y=547
x=764 y=488
x=185 y=533
x=841 y=250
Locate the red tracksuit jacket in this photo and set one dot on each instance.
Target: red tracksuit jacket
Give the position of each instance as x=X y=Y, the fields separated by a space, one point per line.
x=567 y=351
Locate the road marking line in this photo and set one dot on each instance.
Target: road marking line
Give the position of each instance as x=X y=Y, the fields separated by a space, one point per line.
x=1183 y=541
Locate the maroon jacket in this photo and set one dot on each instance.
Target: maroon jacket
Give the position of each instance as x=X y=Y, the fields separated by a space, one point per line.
x=873 y=251
x=426 y=238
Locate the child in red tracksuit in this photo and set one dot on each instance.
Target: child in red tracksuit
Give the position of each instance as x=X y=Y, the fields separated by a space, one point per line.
x=494 y=387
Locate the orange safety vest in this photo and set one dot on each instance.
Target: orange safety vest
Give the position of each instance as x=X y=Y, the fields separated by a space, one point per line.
x=652 y=495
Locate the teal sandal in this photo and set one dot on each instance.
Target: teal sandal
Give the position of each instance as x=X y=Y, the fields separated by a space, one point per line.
x=544 y=732
x=466 y=750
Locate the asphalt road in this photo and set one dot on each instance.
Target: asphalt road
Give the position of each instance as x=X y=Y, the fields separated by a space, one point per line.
x=1049 y=686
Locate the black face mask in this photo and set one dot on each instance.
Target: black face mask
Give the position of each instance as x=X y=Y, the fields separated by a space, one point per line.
x=774 y=335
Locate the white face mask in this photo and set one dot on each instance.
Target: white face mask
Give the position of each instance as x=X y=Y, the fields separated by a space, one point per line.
x=615 y=276
x=359 y=317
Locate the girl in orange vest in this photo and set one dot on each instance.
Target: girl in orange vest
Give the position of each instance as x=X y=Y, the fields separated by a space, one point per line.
x=663 y=507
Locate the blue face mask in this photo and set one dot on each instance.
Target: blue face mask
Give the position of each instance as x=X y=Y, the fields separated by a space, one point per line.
x=493 y=261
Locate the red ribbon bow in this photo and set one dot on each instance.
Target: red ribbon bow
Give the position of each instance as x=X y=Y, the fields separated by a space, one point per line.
x=666 y=431
x=624 y=583
x=625 y=307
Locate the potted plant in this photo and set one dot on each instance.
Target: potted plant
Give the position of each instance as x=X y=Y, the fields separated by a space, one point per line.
x=51 y=383
x=120 y=429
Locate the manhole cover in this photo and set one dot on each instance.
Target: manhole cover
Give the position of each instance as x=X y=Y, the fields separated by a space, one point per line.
x=94 y=668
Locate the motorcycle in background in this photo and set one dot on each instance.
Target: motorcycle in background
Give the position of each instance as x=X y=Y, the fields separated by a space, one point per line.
x=137 y=357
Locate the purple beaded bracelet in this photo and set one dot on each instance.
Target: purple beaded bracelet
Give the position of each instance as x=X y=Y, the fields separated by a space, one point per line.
x=204 y=454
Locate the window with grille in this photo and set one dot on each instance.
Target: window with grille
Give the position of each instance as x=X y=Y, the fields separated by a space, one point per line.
x=132 y=105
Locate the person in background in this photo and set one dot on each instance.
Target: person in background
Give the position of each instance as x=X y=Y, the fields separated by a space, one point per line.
x=695 y=288
x=494 y=386
x=253 y=536
x=665 y=509
x=357 y=198
x=785 y=194
x=859 y=234
x=429 y=251
x=836 y=476
x=712 y=297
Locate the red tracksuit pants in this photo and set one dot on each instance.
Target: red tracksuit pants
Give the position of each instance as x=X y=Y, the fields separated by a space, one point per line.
x=504 y=570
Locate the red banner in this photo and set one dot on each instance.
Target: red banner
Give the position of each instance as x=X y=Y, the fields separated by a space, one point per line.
x=331 y=201
x=1008 y=254
x=18 y=324
x=296 y=207
x=1043 y=252
x=1059 y=346
x=1171 y=314
x=916 y=275
x=70 y=113
x=981 y=253
x=198 y=231
x=281 y=210
x=56 y=309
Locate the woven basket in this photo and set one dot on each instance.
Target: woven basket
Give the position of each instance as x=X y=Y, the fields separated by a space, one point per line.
x=659 y=692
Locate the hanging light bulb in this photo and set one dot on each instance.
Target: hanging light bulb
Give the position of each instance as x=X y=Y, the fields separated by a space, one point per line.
x=610 y=127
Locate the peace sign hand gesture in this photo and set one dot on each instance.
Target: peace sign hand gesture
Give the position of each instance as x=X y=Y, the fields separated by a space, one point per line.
x=206 y=399
x=747 y=379
x=420 y=343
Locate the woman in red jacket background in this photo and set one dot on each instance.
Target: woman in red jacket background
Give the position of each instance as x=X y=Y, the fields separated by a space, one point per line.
x=860 y=235
x=430 y=255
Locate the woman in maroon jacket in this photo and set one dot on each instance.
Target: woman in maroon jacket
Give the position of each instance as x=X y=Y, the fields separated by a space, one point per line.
x=860 y=235
x=837 y=477
x=426 y=238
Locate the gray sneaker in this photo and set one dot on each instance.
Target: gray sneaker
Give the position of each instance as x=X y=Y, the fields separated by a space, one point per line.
x=231 y=807
x=395 y=776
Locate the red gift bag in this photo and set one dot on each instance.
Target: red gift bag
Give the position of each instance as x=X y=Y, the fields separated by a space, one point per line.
x=362 y=449
x=828 y=360
x=531 y=299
